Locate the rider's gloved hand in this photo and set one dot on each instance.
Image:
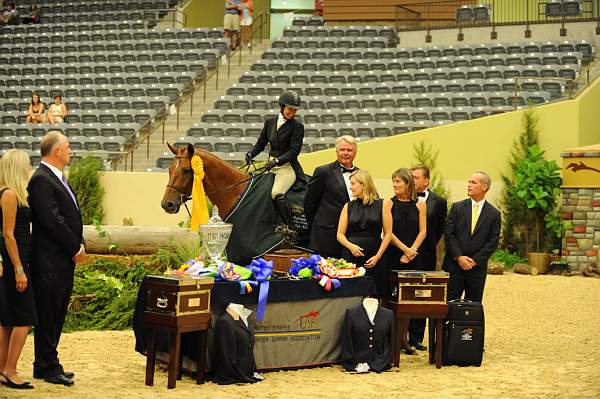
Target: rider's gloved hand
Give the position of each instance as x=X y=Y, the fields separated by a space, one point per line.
x=248 y=158
x=272 y=163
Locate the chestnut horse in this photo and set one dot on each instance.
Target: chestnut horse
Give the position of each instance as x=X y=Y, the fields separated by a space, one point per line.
x=254 y=217
x=223 y=183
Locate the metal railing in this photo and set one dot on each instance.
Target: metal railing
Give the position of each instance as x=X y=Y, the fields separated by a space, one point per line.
x=442 y=14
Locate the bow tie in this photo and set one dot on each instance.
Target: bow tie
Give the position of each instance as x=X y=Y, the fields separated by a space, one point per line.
x=348 y=170
x=421 y=194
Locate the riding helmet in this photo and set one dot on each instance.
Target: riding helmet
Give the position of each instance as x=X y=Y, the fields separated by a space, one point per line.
x=289 y=98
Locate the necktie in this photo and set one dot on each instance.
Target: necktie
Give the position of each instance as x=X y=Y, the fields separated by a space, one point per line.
x=64 y=182
x=348 y=170
x=474 y=217
x=421 y=194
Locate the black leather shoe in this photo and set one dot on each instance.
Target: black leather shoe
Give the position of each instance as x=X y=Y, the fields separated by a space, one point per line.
x=419 y=346
x=8 y=383
x=59 y=380
x=39 y=375
x=408 y=350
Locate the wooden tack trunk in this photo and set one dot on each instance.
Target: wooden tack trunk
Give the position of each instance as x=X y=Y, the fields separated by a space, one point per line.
x=178 y=300
x=418 y=287
x=282 y=259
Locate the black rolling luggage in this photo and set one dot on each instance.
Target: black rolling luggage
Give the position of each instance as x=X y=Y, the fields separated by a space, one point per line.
x=464 y=333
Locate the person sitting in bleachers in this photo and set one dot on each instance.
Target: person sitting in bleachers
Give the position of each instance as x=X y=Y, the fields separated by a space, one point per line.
x=9 y=15
x=34 y=15
x=35 y=113
x=57 y=112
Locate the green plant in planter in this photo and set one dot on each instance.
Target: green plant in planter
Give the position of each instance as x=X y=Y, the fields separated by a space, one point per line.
x=537 y=184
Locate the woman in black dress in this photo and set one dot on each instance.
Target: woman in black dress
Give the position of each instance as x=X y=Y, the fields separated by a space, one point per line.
x=360 y=226
x=17 y=308
x=409 y=215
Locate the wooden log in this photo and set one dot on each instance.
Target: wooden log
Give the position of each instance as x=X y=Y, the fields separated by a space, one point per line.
x=525 y=268
x=134 y=240
x=495 y=268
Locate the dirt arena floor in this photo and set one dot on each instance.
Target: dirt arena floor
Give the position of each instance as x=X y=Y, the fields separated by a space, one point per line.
x=542 y=341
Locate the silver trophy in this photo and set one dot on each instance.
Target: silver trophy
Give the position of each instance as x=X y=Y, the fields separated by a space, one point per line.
x=215 y=235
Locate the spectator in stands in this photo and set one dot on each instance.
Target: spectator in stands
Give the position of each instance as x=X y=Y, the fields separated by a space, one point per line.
x=34 y=15
x=246 y=9
x=319 y=8
x=10 y=15
x=35 y=113
x=231 y=21
x=57 y=112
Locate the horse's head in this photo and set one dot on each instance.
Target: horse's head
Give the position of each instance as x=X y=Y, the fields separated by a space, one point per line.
x=181 y=179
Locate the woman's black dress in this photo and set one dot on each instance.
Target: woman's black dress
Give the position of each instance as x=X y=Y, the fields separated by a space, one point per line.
x=405 y=226
x=364 y=229
x=17 y=308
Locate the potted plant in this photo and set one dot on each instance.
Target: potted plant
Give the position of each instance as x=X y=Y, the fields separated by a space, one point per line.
x=537 y=185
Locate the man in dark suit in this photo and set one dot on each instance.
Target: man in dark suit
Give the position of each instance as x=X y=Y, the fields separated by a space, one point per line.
x=472 y=234
x=285 y=135
x=328 y=190
x=57 y=246
x=437 y=208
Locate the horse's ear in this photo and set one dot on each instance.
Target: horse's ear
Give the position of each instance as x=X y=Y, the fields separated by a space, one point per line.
x=191 y=150
x=173 y=149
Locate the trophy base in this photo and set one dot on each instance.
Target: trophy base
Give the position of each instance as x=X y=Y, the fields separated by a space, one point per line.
x=282 y=259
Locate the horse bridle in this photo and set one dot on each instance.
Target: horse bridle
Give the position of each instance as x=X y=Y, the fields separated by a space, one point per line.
x=184 y=197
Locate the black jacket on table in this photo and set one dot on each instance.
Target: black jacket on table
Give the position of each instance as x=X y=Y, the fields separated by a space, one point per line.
x=286 y=143
x=437 y=208
x=325 y=197
x=460 y=242
x=234 y=351
x=363 y=342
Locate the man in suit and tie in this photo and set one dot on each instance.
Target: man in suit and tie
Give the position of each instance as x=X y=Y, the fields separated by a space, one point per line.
x=437 y=208
x=472 y=234
x=285 y=135
x=57 y=246
x=328 y=190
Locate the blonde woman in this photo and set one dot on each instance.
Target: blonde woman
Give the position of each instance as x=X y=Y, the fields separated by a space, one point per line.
x=360 y=225
x=17 y=314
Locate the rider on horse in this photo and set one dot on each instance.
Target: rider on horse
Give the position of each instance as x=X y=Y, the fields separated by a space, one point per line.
x=285 y=135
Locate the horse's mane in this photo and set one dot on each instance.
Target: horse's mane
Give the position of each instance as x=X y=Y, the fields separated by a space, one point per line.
x=208 y=155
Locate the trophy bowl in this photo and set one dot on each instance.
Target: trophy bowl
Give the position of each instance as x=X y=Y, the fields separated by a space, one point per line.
x=215 y=235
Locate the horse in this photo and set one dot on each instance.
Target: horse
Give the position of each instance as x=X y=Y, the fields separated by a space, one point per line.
x=242 y=199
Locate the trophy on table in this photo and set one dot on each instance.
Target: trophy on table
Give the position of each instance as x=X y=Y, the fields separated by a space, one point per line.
x=215 y=235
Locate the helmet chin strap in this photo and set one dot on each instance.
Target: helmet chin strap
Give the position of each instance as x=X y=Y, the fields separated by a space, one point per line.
x=283 y=113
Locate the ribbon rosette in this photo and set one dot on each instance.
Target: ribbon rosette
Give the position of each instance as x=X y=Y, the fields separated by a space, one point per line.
x=262 y=270
x=313 y=264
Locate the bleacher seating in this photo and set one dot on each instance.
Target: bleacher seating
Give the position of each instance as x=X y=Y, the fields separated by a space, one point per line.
x=353 y=80
x=116 y=75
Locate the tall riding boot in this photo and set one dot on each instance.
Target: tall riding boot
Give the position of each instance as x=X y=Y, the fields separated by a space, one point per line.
x=284 y=210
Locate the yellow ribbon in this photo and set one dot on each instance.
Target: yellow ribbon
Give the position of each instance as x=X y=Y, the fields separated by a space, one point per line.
x=199 y=206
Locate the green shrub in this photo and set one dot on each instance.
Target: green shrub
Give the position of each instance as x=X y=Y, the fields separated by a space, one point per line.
x=84 y=179
x=508 y=259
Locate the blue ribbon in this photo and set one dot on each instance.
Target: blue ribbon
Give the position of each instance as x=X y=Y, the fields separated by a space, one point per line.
x=311 y=263
x=262 y=270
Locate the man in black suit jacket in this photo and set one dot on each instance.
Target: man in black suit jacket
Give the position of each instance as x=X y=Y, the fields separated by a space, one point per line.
x=285 y=135
x=327 y=192
x=437 y=207
x=57 y=246
x=472 y=234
